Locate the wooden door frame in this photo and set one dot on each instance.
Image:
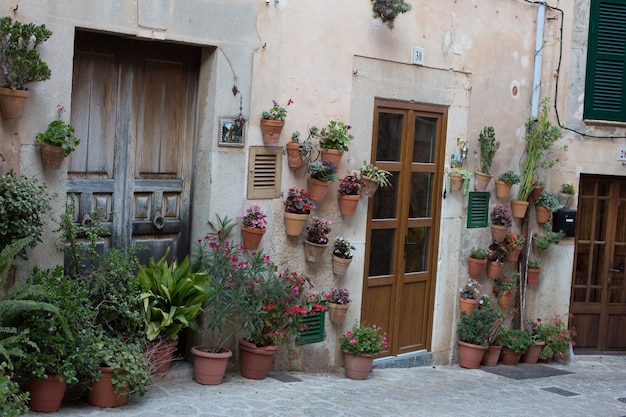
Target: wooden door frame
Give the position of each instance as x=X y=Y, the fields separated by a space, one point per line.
x=410 y=109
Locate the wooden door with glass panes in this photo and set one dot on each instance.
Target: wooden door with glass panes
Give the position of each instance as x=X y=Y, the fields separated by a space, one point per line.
x=403 y=223
x=598 y=298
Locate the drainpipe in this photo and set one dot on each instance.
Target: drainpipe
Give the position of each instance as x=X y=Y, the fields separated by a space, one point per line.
x=541 y=13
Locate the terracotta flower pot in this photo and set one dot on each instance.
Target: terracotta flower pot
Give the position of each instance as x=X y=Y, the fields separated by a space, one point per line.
x=317 y=188
x=358 y=366
x=369 y=187
x=467 y=305
x=332 y=155
x=508 y=357
x=565 y=199
x=494 y=269
x=348 y=204
x=337 y=312
x=543 y=214
x=314 y=251
x=52 y=156
x=340 y=265
x=255 y=361
x=208 y=367
x=532 y=276
x=470 y=355
x=514 y=254
x=536 y=192
x=456 y=181
x=498 y=233
x=475 y=266
x=46 y=395
x=492 y=355
x=251 y=237
x=293 y=155
x=503 y=189
x=533 y=352
x=12 y=102
x=481 y=180
x=505 y=300
x=270 y=129
x=102 y=393
x=294 y=223
x=518 y=208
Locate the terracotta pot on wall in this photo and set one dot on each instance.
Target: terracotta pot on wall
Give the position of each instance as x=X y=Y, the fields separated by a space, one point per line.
x=293 y=155
x=532 y=276
x=251 y=237
x=518 y=208
x=270 y=129
x=456 y=181
x=348 y=204
x=498 y=233
x=340 y=265
x=314 y=251
x=294 y=223
x=494 y=269
x=12 y=102
x=475 y=266
x=52 y=156
x=332 y=155
x=467 y=305
x=317 y=188
x=543 y=214
x=481 y=181
x=503 y=189
x=337 y=312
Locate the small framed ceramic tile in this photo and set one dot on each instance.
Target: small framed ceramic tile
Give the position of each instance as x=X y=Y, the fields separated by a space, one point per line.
x=230 y=133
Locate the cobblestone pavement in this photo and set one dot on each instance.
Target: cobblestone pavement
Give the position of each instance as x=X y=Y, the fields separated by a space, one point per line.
x=593 y=386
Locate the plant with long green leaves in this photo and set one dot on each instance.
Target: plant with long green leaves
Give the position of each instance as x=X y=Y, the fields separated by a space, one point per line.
x=541 y=134
x=488 y=147
x=171 y=297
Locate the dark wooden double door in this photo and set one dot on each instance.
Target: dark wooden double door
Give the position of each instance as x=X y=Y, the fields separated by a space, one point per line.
x=133 y=107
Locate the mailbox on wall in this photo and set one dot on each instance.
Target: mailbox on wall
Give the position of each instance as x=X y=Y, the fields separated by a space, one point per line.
x=565 y=220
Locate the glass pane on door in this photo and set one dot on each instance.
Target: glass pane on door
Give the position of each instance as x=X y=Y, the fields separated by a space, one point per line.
x=421 y=194
x=381 y=259
x=424 y=139
x=389 y=145
x=416 y=249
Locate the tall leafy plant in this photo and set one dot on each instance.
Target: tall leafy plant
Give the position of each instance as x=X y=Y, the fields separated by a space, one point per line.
x=488 y=147
x=541 y=134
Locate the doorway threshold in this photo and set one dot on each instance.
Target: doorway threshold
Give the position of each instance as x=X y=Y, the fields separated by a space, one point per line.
x=405 y=360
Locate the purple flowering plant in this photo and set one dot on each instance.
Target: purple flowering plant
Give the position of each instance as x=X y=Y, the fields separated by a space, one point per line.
x=501 y=215
x=318 y=230
x=338 y=296
x=364 y=339
x=254 y=217
x=350 y=184
x=277 y=112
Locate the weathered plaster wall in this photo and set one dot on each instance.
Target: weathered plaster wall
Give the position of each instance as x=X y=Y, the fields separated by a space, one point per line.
x=332 y=58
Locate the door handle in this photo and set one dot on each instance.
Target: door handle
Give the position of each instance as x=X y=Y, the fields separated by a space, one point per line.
x=614 y=270
x=158 y=221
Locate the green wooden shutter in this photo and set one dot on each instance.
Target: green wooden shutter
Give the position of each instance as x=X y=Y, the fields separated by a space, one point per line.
x=312 y=328
x=605 y=88
x=478 y=209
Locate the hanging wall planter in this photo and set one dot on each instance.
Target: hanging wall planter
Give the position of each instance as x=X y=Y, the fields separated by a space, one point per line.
x=348 y=204
x=271 y=129
x=518 y=208
x=314 y=251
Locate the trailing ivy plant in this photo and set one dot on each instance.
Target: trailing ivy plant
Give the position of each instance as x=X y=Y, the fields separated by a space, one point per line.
x=388 y=10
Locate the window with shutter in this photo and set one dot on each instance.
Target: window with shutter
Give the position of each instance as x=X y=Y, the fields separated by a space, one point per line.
x=478 y=209
x=605 y=87
x=264 y=172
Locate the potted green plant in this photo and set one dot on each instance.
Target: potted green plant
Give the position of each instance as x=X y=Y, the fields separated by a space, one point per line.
x=543 y=242
x=298 y=205
x=300 y=152
x=505 y=182
x=533 y=269
x=459 y=178
x=505 y=289
x=488 y=147
x=273 y=120
x=373 y=177
x=468 y=297
x=514 y=343
x=545 y=205
x=57 y=354
x=20 y=62
x=334 y=140
x=225 y=310
x=566 y=194
x=359 y=346
x=472 y=331
x=558 y=338
x=273 y=312
x=494 y=316
x=317 y=238
x=388 y=10
x=541 y=135
x=342 y=256
x=171 y=297
x=57 y=142
x=534 y=350
x=338 y=301
x=476 y=261
x=498 y=253
x=124 y=369
x=321 y=174
x=515 y=244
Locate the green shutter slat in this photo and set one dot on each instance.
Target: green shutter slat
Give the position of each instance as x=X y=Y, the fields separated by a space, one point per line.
x=478 y=209
x=605 y=88
x=312 y=328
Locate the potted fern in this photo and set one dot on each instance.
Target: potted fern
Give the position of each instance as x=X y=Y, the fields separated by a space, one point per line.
x=488 y=148
x=20 y=62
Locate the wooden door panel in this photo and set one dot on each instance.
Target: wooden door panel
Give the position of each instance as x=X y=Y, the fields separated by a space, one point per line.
x=94 y=97
x=598 y=300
